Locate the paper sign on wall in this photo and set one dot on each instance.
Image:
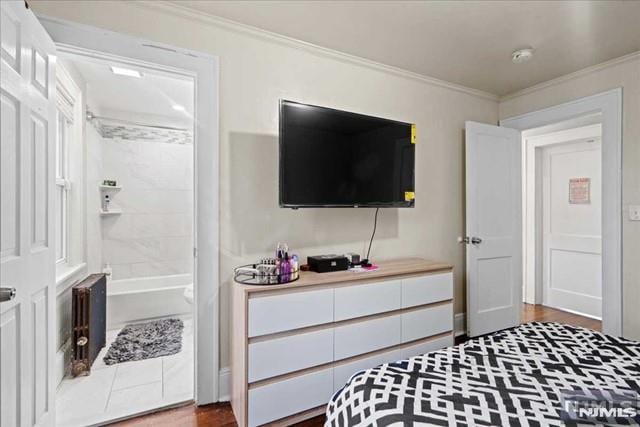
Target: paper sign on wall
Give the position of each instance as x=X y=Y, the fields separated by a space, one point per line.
x=580 y=191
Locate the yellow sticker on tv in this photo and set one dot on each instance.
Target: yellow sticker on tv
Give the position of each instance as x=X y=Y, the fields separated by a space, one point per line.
x=409 y=195
x=413 y=134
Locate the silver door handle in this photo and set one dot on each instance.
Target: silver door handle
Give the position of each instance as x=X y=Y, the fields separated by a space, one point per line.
x=7 y=294
x=476 y=240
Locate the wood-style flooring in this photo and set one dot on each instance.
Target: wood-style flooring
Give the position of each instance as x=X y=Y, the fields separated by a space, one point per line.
x=221 y=415
x=540 y=313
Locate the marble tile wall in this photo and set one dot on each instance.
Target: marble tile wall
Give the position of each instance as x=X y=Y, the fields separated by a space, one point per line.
x=153 y=235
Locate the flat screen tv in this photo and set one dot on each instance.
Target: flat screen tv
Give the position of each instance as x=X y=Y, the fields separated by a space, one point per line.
x=333 y=158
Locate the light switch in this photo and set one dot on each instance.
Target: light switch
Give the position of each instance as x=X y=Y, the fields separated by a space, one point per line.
x=634 y=212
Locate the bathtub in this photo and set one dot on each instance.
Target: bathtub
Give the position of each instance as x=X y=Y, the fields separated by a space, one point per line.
x=143 y=298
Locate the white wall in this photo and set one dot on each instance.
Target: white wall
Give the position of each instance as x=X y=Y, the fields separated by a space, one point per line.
x=93 y=143
x=153 y=236
x=255 y=73
x=624 y=74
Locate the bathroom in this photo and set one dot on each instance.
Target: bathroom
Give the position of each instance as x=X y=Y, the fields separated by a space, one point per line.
x=124 y=206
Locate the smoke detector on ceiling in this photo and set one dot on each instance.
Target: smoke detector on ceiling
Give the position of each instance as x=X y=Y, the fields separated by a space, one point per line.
x=521 y=55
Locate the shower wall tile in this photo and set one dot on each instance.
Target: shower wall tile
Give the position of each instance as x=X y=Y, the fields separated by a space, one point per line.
x=154 y=201
x=153 y=235
x=117 y=227
x=166 y=225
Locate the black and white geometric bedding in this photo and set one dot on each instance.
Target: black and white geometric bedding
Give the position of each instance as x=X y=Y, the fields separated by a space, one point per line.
x=511 y=378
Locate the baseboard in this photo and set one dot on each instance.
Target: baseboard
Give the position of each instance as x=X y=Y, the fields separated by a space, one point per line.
x=459 y=324
x=224 y=385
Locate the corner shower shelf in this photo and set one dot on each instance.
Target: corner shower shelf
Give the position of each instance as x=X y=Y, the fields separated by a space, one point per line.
x=110 y=187
x=111 y=212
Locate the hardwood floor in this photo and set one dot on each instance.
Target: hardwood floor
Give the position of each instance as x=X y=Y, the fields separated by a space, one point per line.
x=215 y=415
x=540 y=313
x=220 y=414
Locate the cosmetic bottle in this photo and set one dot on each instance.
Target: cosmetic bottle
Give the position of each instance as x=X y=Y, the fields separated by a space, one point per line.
x=294 y=267
x=287 y=267
x=105 y=203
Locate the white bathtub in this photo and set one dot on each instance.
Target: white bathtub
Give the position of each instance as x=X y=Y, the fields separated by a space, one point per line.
x=139 y=299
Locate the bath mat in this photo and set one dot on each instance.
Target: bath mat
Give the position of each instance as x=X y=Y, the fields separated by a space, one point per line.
x=146 y=341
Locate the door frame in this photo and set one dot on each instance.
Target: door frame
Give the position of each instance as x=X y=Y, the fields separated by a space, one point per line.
x=609 y=105
x=93 y=42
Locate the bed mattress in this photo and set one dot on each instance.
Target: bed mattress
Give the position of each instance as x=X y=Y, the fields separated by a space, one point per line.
x=514 y=377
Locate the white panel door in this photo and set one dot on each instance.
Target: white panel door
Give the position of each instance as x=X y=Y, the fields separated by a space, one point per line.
x=494 y=228
x=572 y=236
x=27 y=261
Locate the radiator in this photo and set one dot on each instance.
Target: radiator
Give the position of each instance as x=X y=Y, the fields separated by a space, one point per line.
x=89 y=320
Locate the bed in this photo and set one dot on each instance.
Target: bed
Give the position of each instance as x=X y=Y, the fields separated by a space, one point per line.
x=513 y=377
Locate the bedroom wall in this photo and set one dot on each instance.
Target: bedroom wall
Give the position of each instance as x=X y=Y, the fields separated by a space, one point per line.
x=257 y=71
x=626 y=75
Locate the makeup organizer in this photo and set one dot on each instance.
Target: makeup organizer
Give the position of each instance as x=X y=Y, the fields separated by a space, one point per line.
x=281 y=269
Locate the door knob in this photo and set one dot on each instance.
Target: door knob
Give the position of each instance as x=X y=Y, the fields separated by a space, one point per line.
x=7 y=294
x=476 y=240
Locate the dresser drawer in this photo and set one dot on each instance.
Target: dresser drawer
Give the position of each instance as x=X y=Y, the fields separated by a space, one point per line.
x=342 y=373
x=427 y=322
x=427 y=289
x=363 y=300
x=288 y=354
x=285 y=312
x=427 y=347
x=366 y=336
x=283 y=398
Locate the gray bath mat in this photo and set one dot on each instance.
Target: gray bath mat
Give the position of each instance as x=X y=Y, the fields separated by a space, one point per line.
x=145 y=341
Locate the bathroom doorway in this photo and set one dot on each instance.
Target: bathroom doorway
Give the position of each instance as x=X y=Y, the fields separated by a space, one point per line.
x=127 y=173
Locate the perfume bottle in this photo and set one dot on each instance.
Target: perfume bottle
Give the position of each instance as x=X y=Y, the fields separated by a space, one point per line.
x=287 y=267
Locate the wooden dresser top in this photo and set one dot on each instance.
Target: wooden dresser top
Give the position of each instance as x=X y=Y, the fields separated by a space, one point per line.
x=389 y=268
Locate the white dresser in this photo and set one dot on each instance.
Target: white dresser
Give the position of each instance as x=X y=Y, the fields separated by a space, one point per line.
x=294 y=345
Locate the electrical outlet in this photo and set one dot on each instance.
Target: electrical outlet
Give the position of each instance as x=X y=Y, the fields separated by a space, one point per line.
x=634 y=212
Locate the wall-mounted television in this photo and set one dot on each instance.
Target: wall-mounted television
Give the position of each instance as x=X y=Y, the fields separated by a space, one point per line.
x=333 y=158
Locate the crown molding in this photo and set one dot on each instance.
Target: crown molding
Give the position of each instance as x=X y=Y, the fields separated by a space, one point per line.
x=208 y=19
x=577 y=74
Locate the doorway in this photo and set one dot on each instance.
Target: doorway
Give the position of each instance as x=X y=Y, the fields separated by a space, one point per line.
x=608 y=105
x=563 y=216
x=204 y=70
x=135 y=198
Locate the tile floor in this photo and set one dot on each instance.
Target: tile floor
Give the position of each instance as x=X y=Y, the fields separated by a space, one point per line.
x=123 y=389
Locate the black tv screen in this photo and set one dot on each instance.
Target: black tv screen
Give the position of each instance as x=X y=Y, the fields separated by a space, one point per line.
x=333 y=158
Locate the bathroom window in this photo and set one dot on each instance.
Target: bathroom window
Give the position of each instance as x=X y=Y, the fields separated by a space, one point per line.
x=69 y=207
x=62 y=186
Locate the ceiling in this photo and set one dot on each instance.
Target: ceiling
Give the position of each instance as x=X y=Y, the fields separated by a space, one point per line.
x=464 y=42
x=149 y=99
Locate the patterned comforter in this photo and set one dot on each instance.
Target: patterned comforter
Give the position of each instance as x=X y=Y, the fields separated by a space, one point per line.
x=513 y=377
